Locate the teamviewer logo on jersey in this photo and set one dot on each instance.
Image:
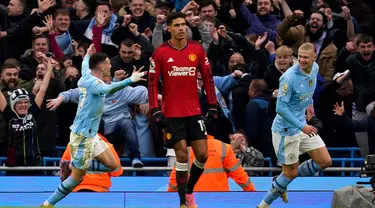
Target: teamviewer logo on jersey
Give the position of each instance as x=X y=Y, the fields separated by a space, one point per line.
x=182 y=71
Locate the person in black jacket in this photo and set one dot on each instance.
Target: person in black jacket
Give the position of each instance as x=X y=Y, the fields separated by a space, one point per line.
x=257 y=122
x=362 y=71
x=363 y=125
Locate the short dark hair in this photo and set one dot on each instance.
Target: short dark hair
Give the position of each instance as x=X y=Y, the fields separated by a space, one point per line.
x=127 y=42
x=323 y=6
x=8 y=66
x=207 y=3
x=364 y=39
x=325 y=19
x=12 y=61
x=260 y=85
x=40 y=36
x=174 y=15
x=96 y=59
x=103 y=3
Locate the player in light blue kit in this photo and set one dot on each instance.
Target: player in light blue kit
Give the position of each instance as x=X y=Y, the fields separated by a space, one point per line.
x=84 y=144
x=291 y=136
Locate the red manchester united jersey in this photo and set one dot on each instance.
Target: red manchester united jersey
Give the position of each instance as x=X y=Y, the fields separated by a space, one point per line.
x=178 y=70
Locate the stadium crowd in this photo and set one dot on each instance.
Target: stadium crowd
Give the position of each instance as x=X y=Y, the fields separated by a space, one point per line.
x=249 y=45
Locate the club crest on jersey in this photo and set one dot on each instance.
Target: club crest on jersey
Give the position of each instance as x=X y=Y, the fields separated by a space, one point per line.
x=192 y=57
x=310 y=82
x=168 y=136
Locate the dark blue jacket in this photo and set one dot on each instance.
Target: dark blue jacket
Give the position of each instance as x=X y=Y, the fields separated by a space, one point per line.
x=258 y=125
x=366 y=124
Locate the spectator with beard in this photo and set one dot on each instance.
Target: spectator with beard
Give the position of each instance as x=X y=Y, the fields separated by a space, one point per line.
x=316 y=33
x=9 y=81
x=21 y=114
x=362 y=70
x=263 y=21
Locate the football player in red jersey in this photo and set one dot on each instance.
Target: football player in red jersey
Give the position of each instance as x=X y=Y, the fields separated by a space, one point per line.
x=177 y=62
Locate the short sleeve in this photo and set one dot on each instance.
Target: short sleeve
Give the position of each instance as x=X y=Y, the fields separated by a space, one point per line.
x=285 y=89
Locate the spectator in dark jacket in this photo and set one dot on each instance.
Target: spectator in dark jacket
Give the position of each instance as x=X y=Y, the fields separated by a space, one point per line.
x=135 y=14
x=364 y=125
x=338 y=90
x=16 y=38
x=362 y=71
x=257 y=123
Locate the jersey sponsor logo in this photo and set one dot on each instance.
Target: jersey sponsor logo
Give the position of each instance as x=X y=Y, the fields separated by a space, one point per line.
x=26 y=126
x=306 y=96
x=182 y=71
x=192 y=57
x=170 y=60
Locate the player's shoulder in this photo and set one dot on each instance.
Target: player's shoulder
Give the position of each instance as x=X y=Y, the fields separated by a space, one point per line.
x=160 y=49
x=195 y=44
x=315 y=68
x=289 y=74
x=92 y=81
x=163 y=46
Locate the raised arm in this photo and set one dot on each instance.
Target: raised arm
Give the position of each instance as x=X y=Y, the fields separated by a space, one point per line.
x=43 y=88
x=3 y=102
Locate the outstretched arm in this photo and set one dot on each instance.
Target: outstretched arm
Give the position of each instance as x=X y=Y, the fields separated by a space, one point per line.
x=43 y=88
x=71 y=95
x=103 y=89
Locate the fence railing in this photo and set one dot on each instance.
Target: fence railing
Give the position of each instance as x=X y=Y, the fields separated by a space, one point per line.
x=253 y=169
x=351 y=160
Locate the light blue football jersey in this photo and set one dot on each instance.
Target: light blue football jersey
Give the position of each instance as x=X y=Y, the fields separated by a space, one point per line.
x=295 y=95
x=91 y=101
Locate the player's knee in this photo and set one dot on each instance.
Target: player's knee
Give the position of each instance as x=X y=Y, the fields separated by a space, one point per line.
x=78 y=174
x=202 y=157
x=326 y=163
x=290 y=172
x=113 y=166
x=126 y=123
x=182 y=156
